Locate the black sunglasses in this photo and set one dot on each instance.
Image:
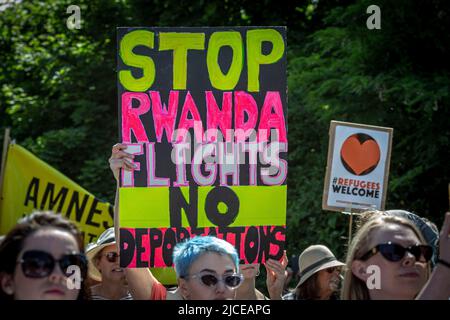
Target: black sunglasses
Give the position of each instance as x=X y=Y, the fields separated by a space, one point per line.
x=332 y=269
x=395 y=252
x=111 y=256
x=40 y=264
x=231 y=280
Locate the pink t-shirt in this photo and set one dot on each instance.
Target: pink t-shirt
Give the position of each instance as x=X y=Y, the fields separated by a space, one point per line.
x=159 y=292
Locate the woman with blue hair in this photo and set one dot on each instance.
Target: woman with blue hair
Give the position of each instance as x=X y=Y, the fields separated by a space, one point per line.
x=207 y=269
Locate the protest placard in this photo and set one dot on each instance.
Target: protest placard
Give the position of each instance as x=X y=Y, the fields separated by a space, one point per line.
x=203 y=111
x=357 y=168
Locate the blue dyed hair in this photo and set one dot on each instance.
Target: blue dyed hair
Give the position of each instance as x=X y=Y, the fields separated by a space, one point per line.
x=186 y=253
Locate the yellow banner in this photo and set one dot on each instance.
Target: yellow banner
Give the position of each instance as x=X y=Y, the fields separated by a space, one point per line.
x=31 y=184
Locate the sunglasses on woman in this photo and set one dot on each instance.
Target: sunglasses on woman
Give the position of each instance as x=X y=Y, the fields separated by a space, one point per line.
x=332 y=269
x=40 y=264
x=111 y=256
x=231 y=280
x=395 y=252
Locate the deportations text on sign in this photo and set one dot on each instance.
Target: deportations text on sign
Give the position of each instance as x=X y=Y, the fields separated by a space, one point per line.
x=203 y=111
x=357 y=168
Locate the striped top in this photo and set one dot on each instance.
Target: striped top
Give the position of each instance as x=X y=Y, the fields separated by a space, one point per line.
x=99 y=297
x=96 y=296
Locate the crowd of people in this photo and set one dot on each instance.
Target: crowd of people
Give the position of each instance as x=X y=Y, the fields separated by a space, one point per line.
x=393 y=255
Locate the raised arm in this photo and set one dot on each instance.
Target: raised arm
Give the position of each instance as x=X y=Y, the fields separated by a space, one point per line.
x=140 y=280
x=276 y=276
x=438 y=286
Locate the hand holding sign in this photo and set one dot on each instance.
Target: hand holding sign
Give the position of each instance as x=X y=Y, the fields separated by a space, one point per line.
x=120 y=160
x=276 y=276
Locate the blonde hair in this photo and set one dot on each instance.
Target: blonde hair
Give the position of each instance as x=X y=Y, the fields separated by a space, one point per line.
x=353 y=287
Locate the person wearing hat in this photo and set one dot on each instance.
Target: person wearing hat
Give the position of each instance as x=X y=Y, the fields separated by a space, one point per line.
x=104 y=268
x=319 y=272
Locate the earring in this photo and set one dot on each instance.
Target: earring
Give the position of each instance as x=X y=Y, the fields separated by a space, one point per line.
x=257 y=274
x=8 y=290
x=7 y=285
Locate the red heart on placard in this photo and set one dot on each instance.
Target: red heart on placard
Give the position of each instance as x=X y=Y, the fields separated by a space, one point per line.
x=360 y=153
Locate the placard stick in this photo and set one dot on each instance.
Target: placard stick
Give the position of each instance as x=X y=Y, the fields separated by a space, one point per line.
x=350 y=227
x=6 y=141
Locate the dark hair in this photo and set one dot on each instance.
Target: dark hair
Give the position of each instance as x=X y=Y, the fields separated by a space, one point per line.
x=308 y=290
x=13 y=242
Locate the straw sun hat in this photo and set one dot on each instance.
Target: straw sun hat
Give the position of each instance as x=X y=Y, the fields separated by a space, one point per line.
x=106 y=239
x=313 y=259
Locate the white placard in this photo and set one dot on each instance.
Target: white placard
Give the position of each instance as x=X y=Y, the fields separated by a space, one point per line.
x=357 y=167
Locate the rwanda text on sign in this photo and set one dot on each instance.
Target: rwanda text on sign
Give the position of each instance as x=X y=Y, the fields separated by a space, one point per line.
x=203 y=110
x=357 y=167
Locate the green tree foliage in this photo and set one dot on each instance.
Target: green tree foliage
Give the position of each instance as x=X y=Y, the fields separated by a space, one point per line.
x=395 y=77
x=52 y=86
x=58 y=90
x=58 y=86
